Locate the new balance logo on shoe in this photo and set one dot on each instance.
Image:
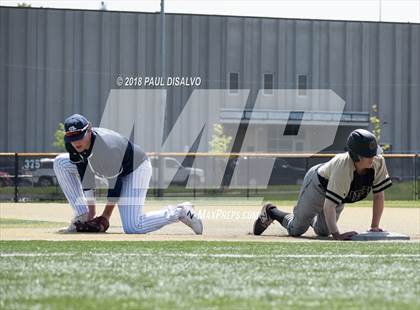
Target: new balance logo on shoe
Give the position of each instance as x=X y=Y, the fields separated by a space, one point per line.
x=188 y=217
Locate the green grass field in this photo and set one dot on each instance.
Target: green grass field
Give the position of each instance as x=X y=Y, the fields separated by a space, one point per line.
x=211 y=275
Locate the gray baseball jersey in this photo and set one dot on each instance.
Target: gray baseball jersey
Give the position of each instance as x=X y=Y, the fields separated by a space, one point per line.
x=111 y=156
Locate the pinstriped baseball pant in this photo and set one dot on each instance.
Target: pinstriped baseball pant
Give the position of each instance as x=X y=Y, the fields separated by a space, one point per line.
x=130 y=203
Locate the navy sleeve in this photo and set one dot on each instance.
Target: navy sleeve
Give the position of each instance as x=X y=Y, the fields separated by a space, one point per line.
x=114 y=193
x=126 y=168
x=86 y=175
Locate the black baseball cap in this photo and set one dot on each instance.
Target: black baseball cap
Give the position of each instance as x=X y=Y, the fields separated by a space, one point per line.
x=76 y=127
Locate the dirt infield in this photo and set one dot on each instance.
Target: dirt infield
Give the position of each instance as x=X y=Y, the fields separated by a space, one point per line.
x=231 y=222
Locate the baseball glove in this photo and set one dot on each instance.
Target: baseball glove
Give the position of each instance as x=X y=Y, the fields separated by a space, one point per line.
x=95 y=225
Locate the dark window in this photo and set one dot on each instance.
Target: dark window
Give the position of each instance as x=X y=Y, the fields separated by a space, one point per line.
x=268 y=83
x=302 y=85
x=233 y=82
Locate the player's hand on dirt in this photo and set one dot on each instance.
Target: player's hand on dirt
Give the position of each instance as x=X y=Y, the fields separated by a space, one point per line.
x=344 y=236
x=375 y=229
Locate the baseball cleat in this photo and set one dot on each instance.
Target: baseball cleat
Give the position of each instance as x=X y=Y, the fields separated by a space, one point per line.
x=72 y=228
x=263 y=220
x=189 y=218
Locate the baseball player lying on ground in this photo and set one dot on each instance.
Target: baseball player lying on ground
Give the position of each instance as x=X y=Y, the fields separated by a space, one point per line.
x=127 y=169
x=346 y=178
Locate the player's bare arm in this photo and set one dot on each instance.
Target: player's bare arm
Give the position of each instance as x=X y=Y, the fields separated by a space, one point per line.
x=109 y=208
x=331 y=217
x=377 y=210
x=331 y=220
x=91 y=203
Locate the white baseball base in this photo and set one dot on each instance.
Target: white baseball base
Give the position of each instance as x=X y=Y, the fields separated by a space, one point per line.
x=384 y=235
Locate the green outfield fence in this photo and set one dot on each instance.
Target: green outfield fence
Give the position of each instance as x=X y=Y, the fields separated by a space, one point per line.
x=30 y=176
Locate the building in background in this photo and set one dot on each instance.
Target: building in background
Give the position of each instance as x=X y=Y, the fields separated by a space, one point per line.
x=57 y=62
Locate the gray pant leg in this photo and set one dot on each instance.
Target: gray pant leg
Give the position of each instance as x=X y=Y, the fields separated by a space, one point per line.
x=310 y=203
x=320 y=226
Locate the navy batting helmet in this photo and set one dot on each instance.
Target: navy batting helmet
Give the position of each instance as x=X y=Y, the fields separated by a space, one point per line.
x=362 y=143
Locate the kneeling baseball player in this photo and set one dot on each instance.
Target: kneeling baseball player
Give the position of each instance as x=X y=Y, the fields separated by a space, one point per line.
x=346 y=178
x=127 y=169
